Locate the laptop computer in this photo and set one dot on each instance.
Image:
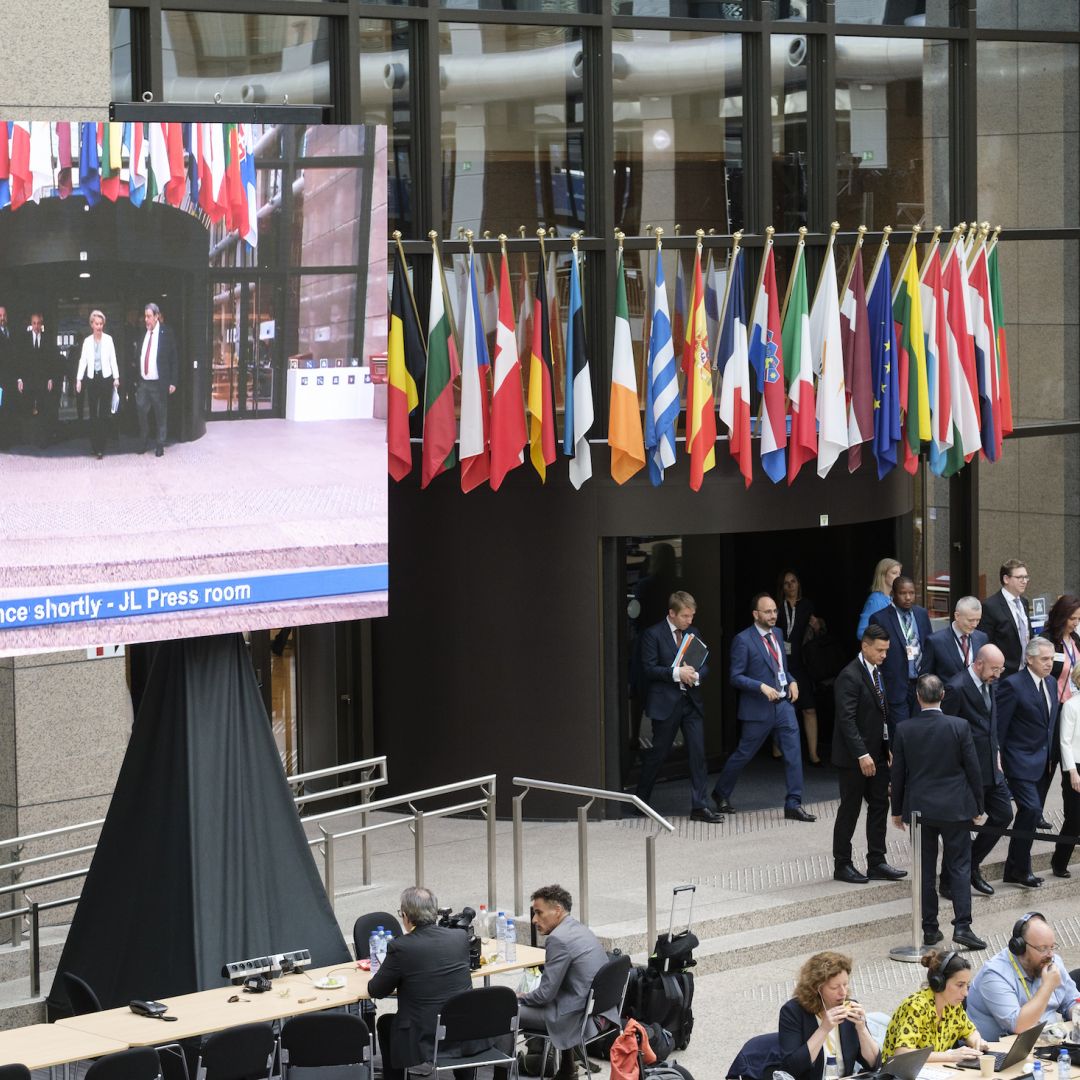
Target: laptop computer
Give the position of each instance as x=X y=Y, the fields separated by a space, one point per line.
x=1022 y=1045
x=903 y=1066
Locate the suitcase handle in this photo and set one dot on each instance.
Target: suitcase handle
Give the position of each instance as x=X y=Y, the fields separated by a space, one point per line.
x=691 y=889
x=684 y=888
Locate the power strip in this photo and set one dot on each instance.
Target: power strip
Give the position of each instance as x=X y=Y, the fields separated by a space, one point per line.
x=271 y=966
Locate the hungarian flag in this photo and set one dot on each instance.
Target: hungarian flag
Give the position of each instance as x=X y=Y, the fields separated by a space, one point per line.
x=734 y=363
x=911 y=356
x=404 y=371
x=624 y=416
x=800 y=371
x=440 y=425
x=986 y=367
x=541 y=383
x=508 y=434
x=475 y=405
x=1004 y=389
x=858 y=376
x=578 y=418
x=767 y=359
x=938 y=378
x=883 y=365
x=700 y=404
x=961 y=351
x=661 y=385
x=22 y=181
x=826 y=345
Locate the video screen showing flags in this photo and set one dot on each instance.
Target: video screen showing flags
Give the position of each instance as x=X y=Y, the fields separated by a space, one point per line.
x=193 y=342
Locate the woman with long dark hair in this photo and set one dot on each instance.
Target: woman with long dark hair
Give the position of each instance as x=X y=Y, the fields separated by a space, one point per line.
x=798 y=623
x=1061 y=631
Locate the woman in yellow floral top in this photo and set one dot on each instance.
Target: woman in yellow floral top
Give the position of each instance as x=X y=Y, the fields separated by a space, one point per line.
x=934 y=1016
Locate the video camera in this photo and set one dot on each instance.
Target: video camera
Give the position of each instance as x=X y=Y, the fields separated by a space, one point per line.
x=463 y=920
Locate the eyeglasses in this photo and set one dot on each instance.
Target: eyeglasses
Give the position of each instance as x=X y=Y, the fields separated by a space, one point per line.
x=1043 y=950
x=1020 y=577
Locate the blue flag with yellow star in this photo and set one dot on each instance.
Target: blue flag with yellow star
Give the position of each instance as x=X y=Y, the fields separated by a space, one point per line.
x=883 y=364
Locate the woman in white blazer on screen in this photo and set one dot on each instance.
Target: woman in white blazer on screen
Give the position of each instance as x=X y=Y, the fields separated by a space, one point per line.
x=1069 y=736
x=98 y=366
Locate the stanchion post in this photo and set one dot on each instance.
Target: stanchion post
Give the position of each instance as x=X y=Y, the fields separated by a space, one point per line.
x=911 y=954
x=650 y=891
x=519 y=855
x=16 y=924
x=328 y=863
x=492 y=822
x=35 y=951
x=365 y=850
x=418 y=845
x=583 y=861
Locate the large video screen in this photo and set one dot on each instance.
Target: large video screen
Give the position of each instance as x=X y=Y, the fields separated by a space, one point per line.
x=193 y=324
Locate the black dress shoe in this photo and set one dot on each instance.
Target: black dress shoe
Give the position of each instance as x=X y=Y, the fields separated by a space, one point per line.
x=932 y=937
x=847 y=872
x=1043 y=824
x=797 y=813
x=723 y=806
x=1065 y=872
x=980 y=884
x=703 y=813
x=1029 y=881
x=965 y=936
x=884 y=872
x=819 y=764
x=159 y=452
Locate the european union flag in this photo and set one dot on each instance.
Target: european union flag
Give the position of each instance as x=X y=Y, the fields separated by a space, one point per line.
x=883 y=365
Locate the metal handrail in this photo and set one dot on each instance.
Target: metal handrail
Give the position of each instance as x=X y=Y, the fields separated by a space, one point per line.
x=19 y=841
x=592 y=794
x=365 y=768
x=328 y=839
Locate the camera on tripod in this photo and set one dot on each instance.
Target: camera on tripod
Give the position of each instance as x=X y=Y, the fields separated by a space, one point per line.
x=463 y=920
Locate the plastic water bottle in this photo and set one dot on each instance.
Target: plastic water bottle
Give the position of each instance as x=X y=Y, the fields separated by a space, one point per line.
x=831 y=1072
x=1036 y=1070
x=1064 y=1064
x=511 y=940
x=500 y=934
x=373 y=950
x=384 y=945
x=480 y=923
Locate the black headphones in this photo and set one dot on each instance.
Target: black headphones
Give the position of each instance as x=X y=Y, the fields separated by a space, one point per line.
x=1017 y=944
x=936 y=980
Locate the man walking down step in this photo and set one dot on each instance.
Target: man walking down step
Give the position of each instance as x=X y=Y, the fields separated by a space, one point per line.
x=767 y=691
x=861 y=753
x=935 y=773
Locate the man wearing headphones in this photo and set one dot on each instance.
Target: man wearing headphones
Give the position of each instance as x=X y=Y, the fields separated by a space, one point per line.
x=1025 y=983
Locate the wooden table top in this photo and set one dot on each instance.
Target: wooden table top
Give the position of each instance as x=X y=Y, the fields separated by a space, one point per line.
x=40 y=1046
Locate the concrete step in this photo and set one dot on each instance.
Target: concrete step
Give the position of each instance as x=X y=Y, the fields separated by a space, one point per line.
x=15 y=959
x=17 y=1007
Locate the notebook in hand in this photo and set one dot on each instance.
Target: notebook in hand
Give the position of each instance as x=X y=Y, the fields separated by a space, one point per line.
x=695 y=652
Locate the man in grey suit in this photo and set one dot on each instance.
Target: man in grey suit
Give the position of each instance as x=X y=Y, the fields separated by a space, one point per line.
x=573 y=956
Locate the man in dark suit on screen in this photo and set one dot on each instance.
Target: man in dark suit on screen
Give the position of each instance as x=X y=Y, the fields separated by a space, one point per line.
x=673 y=700
x=39 y=378
x=861 y=754
x=935 y=772
x=1027 y=706
x=952 y=650
x=158 y=365
x=908 y=625
x=767 y=691
x=426 y=967
x=9 y=392
x=1006 y=621
x=970 y=694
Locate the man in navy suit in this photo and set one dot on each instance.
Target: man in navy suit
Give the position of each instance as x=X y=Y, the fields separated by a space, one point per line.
x=908 y=626
x=760 y=673
x=970 y=694
x=1027 y=727
x=952 y=650
x=1005 y=618
x=673 y=700
x=157 y=378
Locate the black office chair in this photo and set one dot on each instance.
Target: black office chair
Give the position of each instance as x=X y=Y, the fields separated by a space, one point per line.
x=14 y=1072
x=607 y=992
x=758 y=1058
x=323 y=1040
x=138 y=1063
x=237 y=1053
x=366 y=924
x=80 y=995
x=481 y=1015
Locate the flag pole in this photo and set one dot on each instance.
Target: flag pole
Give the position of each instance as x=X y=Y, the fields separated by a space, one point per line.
x=574 y=238
x=958 y=231
x=736 y=241
x=769 y=230
x=408 y=284
x=993 y=241
x=931 y=250
x=834 y=228
x=791 y=275
x=880 y=257
x=908 y=252
x=851 y=261
x=448 y=309
x=980 y=236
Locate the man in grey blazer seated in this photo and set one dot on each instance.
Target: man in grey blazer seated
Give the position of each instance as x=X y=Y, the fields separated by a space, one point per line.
x=573 y=956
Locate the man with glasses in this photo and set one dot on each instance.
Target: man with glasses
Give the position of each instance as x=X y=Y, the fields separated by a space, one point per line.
x=1006 y=621
x=970 y=694
x=760 y=673
x=1026 y=983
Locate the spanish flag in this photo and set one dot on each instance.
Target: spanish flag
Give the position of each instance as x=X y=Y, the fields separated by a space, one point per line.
x=405 y=364
x=700 y=405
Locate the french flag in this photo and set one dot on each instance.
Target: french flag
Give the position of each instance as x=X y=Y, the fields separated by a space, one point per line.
x=767 y=360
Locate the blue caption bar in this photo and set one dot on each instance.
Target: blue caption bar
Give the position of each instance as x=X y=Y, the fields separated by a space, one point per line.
x=95 y=604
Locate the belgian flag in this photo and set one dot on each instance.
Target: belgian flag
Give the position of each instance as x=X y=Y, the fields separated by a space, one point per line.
x=405 y=363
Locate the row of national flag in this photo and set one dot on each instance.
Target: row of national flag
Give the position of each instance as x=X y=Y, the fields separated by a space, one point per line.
x=197 y=167
x=909 y=365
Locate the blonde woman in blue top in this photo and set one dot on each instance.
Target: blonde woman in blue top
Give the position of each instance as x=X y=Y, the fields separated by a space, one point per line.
x=885 y=573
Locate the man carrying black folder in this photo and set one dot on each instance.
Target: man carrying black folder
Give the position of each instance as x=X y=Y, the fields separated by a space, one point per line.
x=673 y=660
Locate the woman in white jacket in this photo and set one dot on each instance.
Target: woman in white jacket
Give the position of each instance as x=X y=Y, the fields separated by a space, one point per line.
x=1070 y=776
x=98 y=366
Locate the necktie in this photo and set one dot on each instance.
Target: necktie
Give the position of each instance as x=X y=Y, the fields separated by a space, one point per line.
x=678 y=638
x=876 y=676
x=965 y=649
x=1046 y=698
x=37 y=342
x=770 y=644
x=986 y=695
x=1021 y=622
x=146 y=355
